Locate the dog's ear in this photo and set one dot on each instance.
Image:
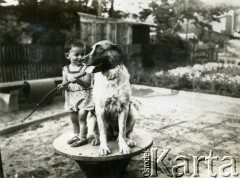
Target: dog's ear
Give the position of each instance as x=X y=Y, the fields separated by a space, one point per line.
x=118 y=48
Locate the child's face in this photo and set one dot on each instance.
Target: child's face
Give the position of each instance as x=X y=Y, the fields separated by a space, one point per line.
x=75 y=55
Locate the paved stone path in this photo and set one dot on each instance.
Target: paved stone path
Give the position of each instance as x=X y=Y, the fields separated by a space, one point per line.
x=192 y=124
x=187 y=123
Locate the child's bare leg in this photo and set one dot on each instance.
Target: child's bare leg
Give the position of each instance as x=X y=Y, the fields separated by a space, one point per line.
x=75 y=123
x=92 y=123
x=82 y=118
x=93 y=129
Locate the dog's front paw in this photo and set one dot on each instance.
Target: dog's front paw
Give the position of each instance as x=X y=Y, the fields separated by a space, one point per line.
x=95 y=141
x=123 y=147
x=104 y=150
x=131 y=143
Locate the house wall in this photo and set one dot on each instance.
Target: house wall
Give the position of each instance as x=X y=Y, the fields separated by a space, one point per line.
x=97 y=31
x=229 y=25
x=237 y=23
x=213 y=36
x=124 y=34
x=93 y=29
x=219 y=26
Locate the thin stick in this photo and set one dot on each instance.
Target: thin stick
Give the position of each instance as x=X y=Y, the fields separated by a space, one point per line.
x=50 y=93
x=1 y=166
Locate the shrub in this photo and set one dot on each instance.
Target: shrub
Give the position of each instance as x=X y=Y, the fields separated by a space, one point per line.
x=234 y=62
x=222 y=61
x=222 y=79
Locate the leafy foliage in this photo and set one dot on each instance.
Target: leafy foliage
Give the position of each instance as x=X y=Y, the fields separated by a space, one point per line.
x=222 y=80
x=170 y=16
x=47 y=21
x=10 y=27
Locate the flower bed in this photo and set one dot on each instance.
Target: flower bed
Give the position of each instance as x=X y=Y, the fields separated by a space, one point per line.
x=215 y=78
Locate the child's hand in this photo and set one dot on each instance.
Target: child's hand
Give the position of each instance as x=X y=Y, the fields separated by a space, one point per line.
x=72 y=79
x=61 y=87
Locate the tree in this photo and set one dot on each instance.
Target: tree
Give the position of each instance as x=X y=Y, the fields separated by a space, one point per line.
x=2 y=2
x=10 y=27
x=48 y=21
x=170 y=16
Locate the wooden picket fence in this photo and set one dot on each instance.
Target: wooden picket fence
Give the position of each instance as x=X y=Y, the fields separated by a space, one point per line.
x=19 y=63
x=30 y=62
x=204 y=53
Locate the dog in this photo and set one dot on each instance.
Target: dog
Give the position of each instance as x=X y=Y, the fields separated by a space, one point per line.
x=115 y=112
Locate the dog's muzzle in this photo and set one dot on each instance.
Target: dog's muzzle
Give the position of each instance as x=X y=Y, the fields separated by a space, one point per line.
x=92 y=69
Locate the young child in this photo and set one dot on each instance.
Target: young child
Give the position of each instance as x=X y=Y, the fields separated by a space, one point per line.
x=78 y=100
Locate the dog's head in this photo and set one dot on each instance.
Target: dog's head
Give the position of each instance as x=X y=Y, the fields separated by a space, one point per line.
x=104 y=55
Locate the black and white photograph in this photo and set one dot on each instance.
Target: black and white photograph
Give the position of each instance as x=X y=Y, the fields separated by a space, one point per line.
x=119 y=88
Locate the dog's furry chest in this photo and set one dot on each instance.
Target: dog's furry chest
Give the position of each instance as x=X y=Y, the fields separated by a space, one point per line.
x=112 y=84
